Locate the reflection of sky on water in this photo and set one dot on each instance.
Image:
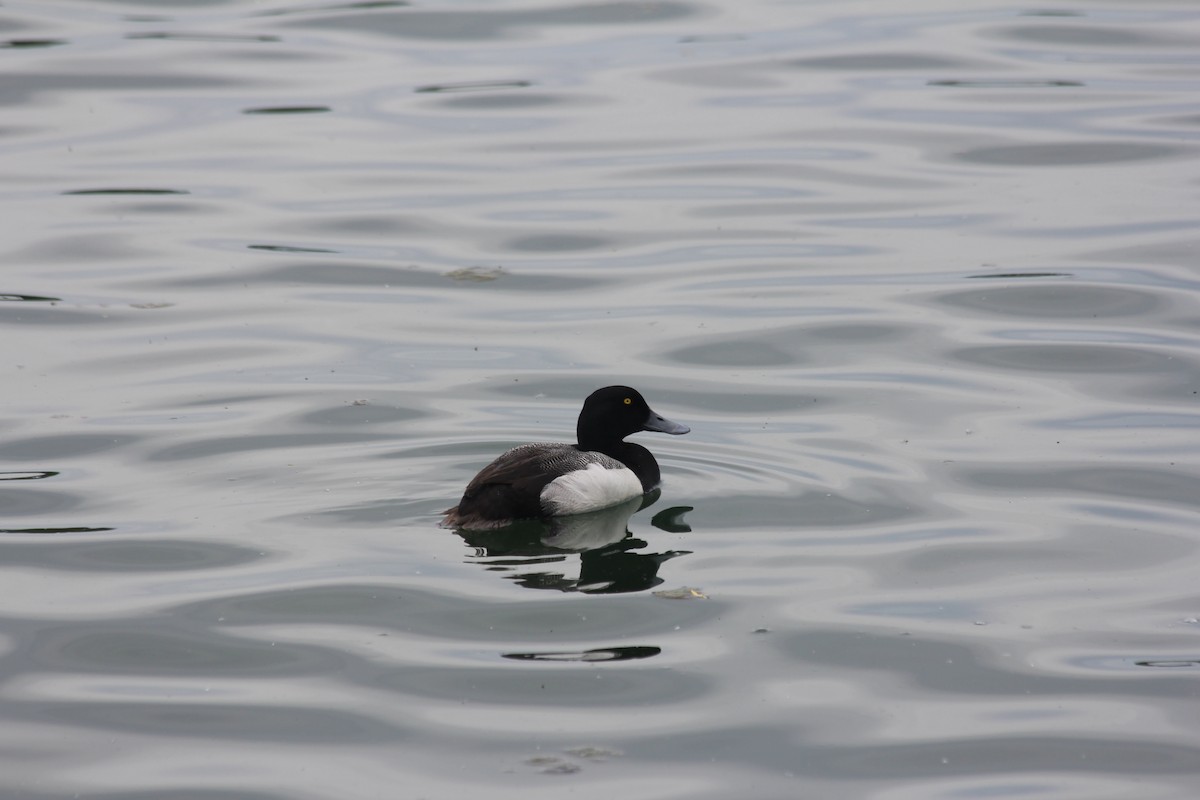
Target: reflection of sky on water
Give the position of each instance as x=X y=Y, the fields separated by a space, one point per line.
x=277 y=281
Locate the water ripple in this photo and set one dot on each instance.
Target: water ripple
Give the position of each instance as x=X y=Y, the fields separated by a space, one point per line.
x=279 y=280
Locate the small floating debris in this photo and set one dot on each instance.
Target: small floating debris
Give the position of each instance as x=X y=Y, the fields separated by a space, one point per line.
x=682 y=593
x=558 y=765
x=594 y=753
x=151 y=305
x=1180 y=664
x=475 y=274
x=553 y=766
x=288 y=110
x=473 y=86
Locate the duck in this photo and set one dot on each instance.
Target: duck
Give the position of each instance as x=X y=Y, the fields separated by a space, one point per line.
x=556 y=479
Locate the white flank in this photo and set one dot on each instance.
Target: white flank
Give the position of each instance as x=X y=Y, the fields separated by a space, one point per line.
x=589 y=490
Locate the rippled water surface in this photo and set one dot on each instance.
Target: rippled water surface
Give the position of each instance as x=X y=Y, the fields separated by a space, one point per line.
x=278 y=278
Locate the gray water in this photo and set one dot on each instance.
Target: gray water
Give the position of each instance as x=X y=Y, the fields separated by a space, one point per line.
x=278 y=278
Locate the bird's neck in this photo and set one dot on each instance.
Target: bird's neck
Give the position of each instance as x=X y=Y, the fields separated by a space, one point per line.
x=637 y=458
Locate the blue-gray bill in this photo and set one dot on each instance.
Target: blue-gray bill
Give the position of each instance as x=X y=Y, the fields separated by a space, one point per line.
x=659 y=423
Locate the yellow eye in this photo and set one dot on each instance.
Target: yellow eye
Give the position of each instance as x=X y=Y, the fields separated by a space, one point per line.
x=628 y=401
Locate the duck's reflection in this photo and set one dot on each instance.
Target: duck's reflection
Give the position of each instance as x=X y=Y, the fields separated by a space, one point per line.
x=608 y=559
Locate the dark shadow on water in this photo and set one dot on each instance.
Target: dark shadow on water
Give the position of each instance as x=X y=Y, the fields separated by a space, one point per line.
x=225 y=38
x=436 y=24
x=288 y=110
x=55 y=530
x=183 y=792
x=599 y=654
x=95 y=555
x=1067 y=154
x=284 y=248
x=121 y=190
x=35 y=475
x=28 y=298
x=1015 y=275
x=18 y=44
x=472 y=86
x=361 y=6
x=1176 y=664
x=608 y=563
